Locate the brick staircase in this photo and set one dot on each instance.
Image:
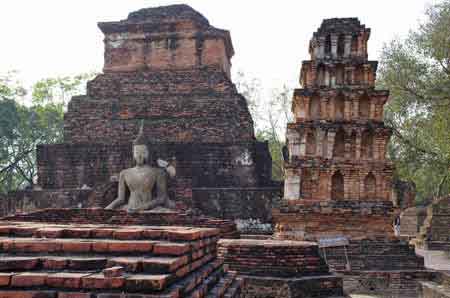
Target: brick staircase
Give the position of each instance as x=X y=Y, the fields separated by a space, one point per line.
x=47 y=260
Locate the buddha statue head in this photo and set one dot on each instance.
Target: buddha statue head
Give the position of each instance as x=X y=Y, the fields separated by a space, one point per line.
x=140 y=150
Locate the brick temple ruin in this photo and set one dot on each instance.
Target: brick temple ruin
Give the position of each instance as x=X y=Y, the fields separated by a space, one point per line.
x=168 y=67
x=338 y=187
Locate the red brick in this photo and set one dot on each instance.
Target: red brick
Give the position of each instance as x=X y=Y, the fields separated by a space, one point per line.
x=77 y=233
x=5 y=279
x=144 y=282
x=151 y=234
x=29 y=279
x=102 y=233
x=76 y=246
x=86 y=263
x=173 y=249
x=115 y=271
x=127 y=234
x=99 y=281
x=100 y=246
x=37 y=245
x=65 y=280
x=49 y=232
x=54 y=263
x=129 y=264
x=130 y=246
x=18 y=263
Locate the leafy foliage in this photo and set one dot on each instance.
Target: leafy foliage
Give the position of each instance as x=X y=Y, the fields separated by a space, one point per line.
x=271 y=115
x=417 y=73
x=26 y=122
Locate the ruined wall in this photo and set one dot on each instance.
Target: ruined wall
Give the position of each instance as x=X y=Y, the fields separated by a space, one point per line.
x=279 y=269
x=205 y=164
x=434 y=233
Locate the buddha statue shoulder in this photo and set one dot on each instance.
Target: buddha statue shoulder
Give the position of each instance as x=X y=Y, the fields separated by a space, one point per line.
x=142 y=179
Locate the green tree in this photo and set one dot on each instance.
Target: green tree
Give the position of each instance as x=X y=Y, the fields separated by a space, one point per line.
x=26 y=122
x=271 y=114
x=416 y=70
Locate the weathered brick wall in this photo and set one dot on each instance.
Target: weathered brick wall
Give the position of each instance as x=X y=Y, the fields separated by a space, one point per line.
x=299 y=221
x=199 y=105
x=174 y=36
x=280 y=269
x=411 y=220
x=398 y=284
x=251 y=208
x=31 y=200
x=435 y=233
x=317 y=174
x=206 y=164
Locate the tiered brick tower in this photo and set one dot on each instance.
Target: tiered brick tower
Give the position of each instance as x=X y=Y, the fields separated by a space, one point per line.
x=338 y=181
x=337 y=145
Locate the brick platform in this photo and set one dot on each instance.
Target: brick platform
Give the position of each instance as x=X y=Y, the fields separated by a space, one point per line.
x=105 y=261
x=280 y=269
x=120 y=217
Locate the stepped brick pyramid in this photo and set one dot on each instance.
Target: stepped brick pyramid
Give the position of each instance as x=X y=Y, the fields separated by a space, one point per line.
x=47 y=259
x=169 y=67
x=280 y=269
x=338 y=181
x=434 y=233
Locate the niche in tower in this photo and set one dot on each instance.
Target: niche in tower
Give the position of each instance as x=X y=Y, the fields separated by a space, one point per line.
x=306 y=185
x=367 y=144
x=364 y=107
x=353 y=145
x=310 y=143
x=341 y=45
x=339 y=144
x=328 y=44
x=354 y=44
x=340 y=75
x=314 y=108
x=337 y=186
x=339 y=107
x=370 y=186
x=321 y=75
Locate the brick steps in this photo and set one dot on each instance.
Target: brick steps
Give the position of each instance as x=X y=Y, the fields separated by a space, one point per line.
x=111 y=220
x=227 y=287
x=86 y=261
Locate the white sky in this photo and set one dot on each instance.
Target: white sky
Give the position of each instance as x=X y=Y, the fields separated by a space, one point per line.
x=45 y=38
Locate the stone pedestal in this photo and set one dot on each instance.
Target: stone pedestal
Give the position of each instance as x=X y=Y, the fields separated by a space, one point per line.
x=344 y=195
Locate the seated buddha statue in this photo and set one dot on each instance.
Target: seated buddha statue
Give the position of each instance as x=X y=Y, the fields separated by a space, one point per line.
x=141 y=181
